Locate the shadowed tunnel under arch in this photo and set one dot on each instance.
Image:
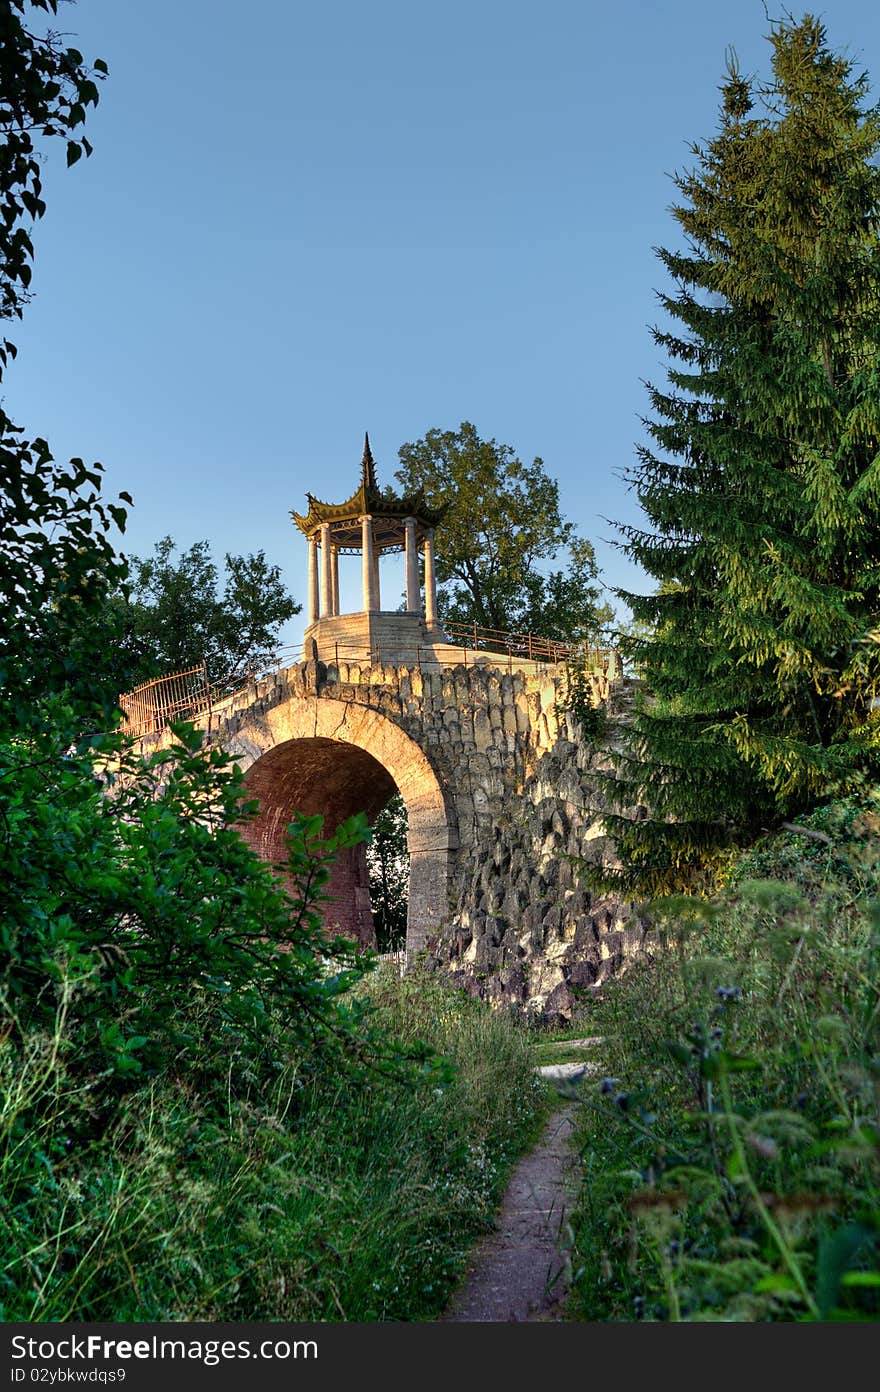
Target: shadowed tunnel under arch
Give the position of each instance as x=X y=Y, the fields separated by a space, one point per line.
x=335 y=780
x=334 y=761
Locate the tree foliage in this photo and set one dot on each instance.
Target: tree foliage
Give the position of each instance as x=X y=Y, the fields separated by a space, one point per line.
x=388 y=865
x=46 y=89
x=177 y=615
x=129 y=899
x=55 y=555
x=760 y=482
x=502 y=521
x=169 y=614
x=58 y=568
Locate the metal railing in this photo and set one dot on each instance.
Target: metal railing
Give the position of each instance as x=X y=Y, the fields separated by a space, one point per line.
x=423 y=656
x=398 y=959
x=150 y=707
x=155 y=704
x=531 y=646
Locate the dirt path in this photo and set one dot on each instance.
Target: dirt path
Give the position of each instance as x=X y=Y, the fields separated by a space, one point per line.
x=519 y=1271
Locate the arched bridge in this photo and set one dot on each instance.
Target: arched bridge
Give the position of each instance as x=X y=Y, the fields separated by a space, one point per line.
x=495 y=777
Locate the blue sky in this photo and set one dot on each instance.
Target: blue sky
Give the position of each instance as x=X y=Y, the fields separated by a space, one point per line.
x=301 y=222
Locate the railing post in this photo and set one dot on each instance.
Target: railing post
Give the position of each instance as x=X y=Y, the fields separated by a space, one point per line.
x=207 y=693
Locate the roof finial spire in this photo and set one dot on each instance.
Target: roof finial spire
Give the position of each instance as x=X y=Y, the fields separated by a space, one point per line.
x=368 y=468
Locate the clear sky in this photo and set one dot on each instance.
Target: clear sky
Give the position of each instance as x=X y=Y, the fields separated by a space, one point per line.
x=306 y=220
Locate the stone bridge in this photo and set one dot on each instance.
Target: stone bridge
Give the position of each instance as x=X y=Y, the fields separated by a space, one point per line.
x=493 y=768
x=495 y=775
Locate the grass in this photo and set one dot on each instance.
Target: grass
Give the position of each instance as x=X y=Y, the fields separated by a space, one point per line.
x=731 y=1153
x=315 y=1193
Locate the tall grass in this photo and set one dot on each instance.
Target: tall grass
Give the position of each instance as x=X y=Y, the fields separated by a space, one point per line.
x=313 y=1192
x=731 y=1153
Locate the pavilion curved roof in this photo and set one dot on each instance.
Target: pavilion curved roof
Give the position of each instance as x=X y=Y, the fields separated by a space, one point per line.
x=368 y=500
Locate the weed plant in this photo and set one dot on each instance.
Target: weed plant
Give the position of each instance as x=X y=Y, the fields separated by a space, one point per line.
x=308 y=1188
x=730 y=1152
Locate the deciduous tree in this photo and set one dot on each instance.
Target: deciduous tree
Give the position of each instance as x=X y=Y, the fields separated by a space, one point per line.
x=178 y=616
x=502 y=522
x=388 y=864
x=138 y=932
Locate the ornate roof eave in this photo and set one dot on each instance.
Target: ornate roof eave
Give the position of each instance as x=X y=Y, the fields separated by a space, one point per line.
x=368 y=500
x=320 y=512
x=367 y=504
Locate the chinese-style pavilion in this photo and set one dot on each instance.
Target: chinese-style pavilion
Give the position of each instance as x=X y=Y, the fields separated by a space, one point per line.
x=374 y=522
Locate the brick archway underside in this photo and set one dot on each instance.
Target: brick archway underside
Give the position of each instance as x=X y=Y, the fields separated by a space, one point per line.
x=336 y=758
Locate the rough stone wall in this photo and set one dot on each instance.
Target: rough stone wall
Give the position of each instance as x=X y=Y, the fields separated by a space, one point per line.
x=515 y=773
x=526 y=931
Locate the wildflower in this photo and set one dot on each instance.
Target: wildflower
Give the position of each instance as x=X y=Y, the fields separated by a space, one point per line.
x=728 y=993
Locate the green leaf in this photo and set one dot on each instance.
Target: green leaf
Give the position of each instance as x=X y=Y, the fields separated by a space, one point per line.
x=777 y=1281
x=739 y=1063
x=838 y=1251
x=863 y=1279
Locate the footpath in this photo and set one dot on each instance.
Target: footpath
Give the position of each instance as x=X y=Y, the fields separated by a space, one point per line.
x=521 y=1270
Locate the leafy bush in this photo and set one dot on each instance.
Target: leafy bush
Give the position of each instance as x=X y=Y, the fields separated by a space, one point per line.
x=732 y=1152
x=126 y=888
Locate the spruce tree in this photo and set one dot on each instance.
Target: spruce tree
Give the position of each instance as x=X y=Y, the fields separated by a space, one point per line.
x=761 y=482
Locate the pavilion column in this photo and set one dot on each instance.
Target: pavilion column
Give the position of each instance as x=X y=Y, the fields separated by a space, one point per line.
x=368 y=566
x=326 y=572
x=335 y=580
x=313 y=578
x=376 y=590
x=413 y=603
x=430 y=581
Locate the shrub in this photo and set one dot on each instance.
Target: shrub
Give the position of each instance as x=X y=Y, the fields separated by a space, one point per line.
x=732 y=1151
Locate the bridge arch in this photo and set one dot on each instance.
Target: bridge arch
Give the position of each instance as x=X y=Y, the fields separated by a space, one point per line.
x=337 y=757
